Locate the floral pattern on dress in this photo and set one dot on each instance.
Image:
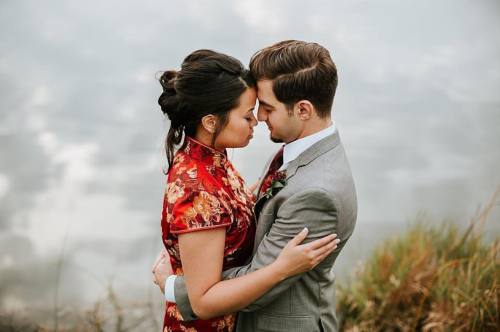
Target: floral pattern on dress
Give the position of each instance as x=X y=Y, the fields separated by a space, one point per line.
x=205 y=191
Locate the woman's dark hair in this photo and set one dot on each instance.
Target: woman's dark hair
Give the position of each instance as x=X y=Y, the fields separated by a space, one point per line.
x=208 y=83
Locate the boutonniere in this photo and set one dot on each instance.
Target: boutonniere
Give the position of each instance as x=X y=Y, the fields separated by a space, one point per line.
x=276 y=182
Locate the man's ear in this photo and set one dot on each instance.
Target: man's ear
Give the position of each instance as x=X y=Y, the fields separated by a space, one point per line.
x=304 y=109
x=209 y=122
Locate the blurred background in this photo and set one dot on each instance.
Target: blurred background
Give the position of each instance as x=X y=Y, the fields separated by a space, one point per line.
x=81 y=134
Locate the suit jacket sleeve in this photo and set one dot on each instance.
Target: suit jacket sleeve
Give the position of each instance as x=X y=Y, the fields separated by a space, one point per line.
x=313 y=208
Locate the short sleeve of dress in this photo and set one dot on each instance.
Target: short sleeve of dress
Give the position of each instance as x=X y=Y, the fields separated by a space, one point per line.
x=195 y=209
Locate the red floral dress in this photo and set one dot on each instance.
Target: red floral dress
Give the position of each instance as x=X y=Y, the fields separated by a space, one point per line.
x=204 y=191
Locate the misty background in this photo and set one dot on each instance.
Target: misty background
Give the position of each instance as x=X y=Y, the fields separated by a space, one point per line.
x=81 y=134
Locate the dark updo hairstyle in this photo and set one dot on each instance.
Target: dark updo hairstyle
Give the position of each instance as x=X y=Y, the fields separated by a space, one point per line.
x=208 y=83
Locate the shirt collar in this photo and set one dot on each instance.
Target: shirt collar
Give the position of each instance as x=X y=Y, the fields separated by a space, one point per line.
x=293 y=149
x=206 y=154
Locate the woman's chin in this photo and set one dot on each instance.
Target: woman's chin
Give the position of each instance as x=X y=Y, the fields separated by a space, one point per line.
x=248 y=140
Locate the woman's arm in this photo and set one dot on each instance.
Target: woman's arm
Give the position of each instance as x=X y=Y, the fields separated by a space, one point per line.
x=202 y=255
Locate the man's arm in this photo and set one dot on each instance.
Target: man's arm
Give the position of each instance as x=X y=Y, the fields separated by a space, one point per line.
x=313 y=208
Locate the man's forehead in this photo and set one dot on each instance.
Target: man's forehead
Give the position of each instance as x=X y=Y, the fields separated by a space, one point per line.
x=264 y=84
x=265 y=92
x=265 y=97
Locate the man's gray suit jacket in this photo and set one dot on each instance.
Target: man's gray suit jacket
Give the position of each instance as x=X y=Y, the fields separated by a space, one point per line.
x=320 y=195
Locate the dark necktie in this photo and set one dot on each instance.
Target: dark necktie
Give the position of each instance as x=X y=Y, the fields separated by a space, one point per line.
x=275 y=165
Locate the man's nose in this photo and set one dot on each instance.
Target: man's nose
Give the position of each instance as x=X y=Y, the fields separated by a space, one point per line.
x=261 y=114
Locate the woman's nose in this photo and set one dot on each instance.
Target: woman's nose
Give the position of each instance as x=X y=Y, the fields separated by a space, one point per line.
x=254 y=121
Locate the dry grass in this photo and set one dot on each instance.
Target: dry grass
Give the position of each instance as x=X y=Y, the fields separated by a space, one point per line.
x=433 y=278
x=108 y=314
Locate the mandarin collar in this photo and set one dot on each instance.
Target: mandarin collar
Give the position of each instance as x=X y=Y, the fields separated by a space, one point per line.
x=204 y=153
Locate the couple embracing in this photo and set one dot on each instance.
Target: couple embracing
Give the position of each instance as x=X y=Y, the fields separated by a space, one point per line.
x=256 y=258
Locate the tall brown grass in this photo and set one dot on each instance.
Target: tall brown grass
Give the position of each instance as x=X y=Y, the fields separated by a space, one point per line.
x=432 y=278
x=107 y=314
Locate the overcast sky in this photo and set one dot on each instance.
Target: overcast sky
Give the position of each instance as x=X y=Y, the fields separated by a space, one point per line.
x=81 y=135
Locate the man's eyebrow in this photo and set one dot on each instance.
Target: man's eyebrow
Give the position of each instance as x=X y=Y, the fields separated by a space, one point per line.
x=265 y=104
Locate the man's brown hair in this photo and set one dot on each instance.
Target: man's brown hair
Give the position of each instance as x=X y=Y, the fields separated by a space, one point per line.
x=299 y=71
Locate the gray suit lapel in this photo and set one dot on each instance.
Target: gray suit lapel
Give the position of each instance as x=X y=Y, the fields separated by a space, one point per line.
x=313 y=152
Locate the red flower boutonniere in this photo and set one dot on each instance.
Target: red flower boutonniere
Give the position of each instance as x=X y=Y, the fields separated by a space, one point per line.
x=274 y=183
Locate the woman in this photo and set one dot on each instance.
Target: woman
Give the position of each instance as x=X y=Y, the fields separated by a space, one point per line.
x=207 y=219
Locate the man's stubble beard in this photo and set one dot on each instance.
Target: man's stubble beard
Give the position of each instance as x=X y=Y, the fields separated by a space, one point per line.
x=274 y=139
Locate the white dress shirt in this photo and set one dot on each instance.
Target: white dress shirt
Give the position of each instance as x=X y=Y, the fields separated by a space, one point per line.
x=290 y=152
x=293 y=149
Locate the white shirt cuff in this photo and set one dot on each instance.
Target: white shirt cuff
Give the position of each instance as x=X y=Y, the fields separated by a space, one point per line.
x=169 y=288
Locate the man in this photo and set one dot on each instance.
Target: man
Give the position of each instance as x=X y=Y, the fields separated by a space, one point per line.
x=296 y=84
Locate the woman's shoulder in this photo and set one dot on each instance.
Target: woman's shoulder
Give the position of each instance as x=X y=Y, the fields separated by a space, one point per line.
x=192 y=173
x=195 y=198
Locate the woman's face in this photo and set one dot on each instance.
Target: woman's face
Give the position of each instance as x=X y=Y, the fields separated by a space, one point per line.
x=239 y=128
